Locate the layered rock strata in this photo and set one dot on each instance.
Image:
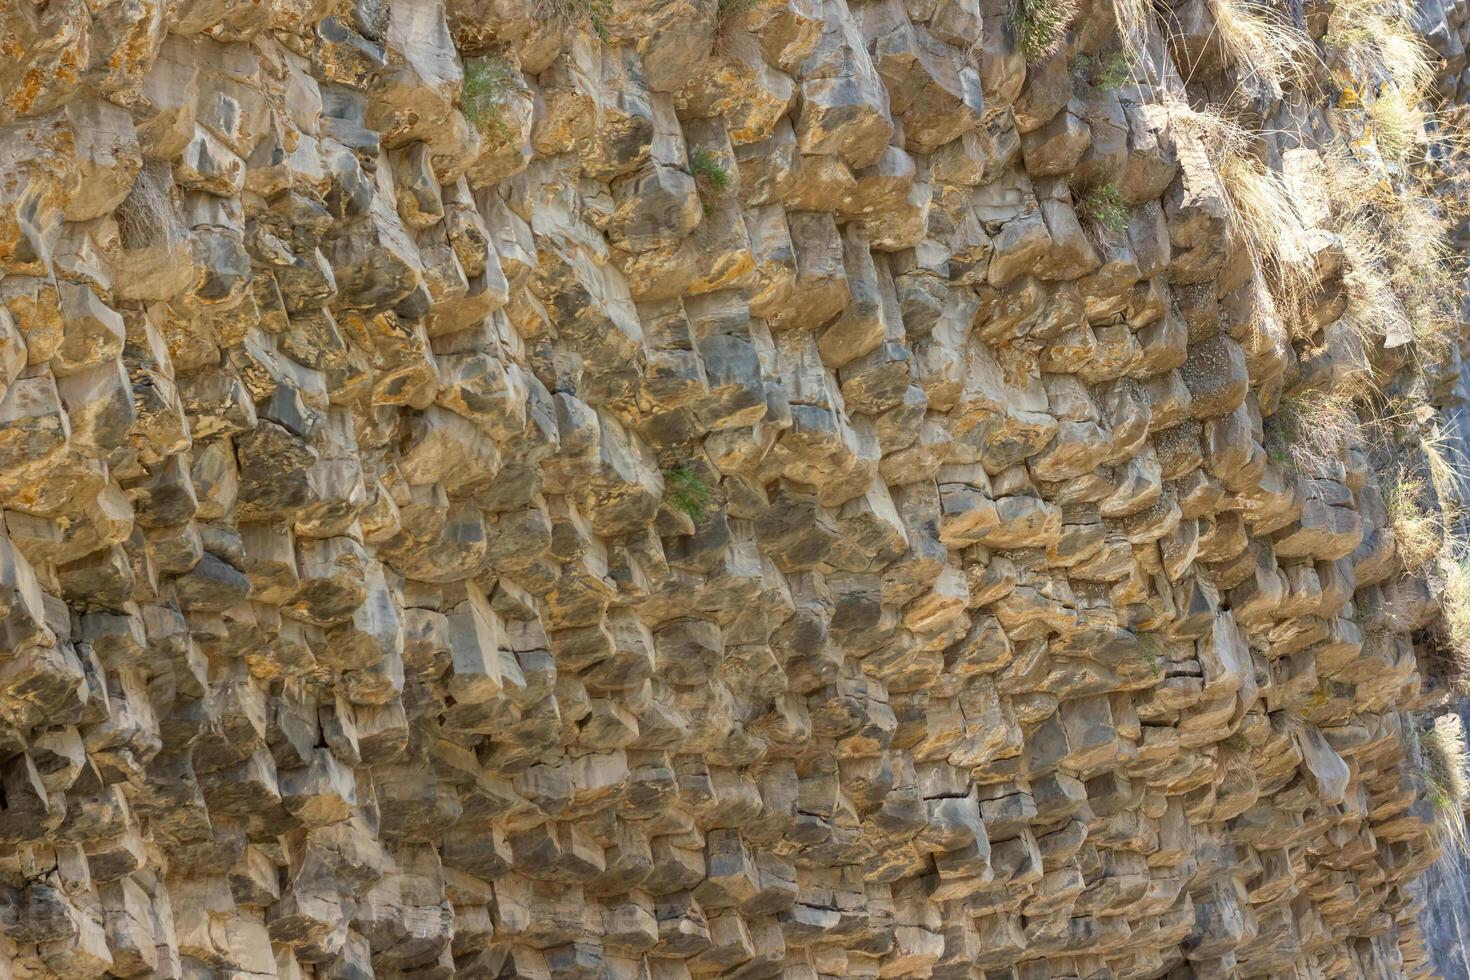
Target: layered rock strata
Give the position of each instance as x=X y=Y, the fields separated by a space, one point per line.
x=664 y=488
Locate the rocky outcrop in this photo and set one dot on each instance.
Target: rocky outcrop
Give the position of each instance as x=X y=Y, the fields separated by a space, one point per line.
x=648 y=489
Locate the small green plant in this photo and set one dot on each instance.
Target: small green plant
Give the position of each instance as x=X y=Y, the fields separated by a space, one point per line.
x=1103 y=205
x=709 y=174
x=597 y=10
x=482 y=95
x=705 y=167
x=686 y=492
x=731 y=25
x=1041 y=26
x=1116 y=72
x=1152 y=652
x=1235 y=742
x=1107 y=74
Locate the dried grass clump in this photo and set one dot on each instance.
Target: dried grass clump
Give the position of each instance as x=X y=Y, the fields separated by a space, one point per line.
x=1259 y=41
x=1264 y=214
x=591 y=14
x=1397 y=123
x=147 y=217
x=1373 y=308
x=1427 y=273
x=1375 y=43
x=1403 y=276
x=1449 y=473
x=1311 y=430
x=1454 y=603
x=1261 y=211
x=1135 y=20
x=1443 y=752
x=1041 y=26
x=1387 y=65
x=1418 y=527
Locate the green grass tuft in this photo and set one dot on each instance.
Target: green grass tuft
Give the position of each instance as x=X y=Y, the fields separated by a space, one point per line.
x=709 y=175
x=482 y=94
x=1116 y=72
x=686 y=492
x=705 y=168
x=1103 y=205
x=1109 y=74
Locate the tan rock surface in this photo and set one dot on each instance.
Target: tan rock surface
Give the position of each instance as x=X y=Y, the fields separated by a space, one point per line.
x=664 y=489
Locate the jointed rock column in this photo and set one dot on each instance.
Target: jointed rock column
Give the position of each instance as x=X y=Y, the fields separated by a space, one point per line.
x=666 y=489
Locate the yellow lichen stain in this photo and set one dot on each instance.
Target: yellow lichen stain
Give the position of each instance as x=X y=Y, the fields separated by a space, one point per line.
x=27 y=92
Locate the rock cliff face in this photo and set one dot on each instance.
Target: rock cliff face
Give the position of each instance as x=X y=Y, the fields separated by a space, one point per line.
x=652 y=489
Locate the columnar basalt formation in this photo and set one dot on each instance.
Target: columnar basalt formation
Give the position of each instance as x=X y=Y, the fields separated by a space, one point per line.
x=665 y=489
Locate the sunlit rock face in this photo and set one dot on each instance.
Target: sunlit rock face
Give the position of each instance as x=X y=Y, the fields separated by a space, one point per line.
x=666 y=489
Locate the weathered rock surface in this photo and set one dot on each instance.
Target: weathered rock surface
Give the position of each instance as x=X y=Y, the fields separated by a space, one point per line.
x=663 y=489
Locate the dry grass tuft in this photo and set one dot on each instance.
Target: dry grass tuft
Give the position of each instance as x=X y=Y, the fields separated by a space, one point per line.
x=1404 y=278
x=1449 y=472
x=1041 y=26
x=1445 y=786
x=1454 y=602
x=1311 y=430
x=1397 y=123
x=1259 y=41
x=1373 y=308
x=1418 y=527
x=589 y=14
x=1261 y=211
x=1375 y=44
x=1135 y=20
x=1265 y=217
x=147 y=217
